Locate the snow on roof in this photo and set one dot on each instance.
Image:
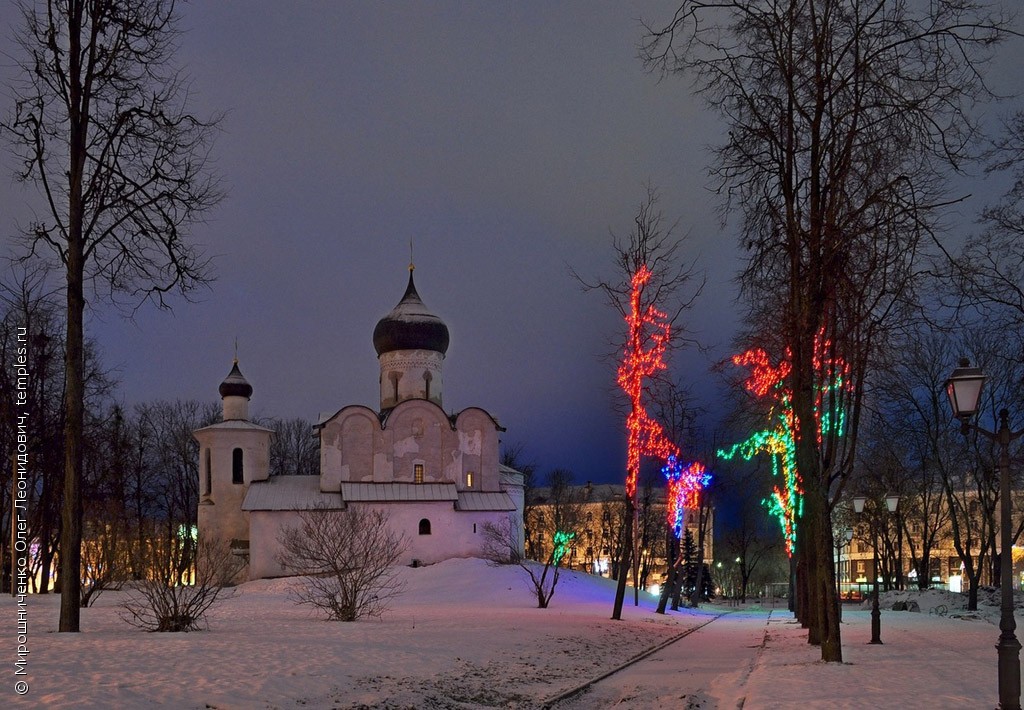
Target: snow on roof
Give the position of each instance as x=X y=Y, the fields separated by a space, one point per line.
x=360 y=492
x=479 y=500
x=236 y=424
x=289 y=493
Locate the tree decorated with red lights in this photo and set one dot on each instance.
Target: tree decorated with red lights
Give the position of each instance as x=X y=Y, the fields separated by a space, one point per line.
x=652 y=288
x=768 y=381
x=648 y=336
x=844 y=120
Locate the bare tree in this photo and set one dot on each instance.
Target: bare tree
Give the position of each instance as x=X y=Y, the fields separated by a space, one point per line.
x=514 y=456
x=30 y=320
x=559 y=519
x=101 y=128
x=670 y=288
x=162 y=603
x=294 y=451
x=911 y=444
x=991 y=269
x=843 y=118
x=347 y=558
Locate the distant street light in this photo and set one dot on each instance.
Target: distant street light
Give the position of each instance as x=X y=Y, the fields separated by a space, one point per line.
x=891 y=501
x=964 y=390
x=844 y=541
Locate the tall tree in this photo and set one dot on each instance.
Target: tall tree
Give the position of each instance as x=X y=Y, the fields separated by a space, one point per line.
x=652 y=287
x=101 y=126
x=843 y=118
x=992 y=263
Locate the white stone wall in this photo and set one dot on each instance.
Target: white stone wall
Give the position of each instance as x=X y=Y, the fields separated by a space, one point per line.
x=452 y=533
x=354 y=447
x=264 y=528
x=476 y=449
x=410 y=374
x=220 y=509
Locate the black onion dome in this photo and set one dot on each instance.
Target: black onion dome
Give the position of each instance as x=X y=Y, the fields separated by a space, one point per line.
x=410 y=326
x=235 y=384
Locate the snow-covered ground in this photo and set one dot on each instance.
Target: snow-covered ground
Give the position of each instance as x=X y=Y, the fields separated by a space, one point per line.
x=465 y=635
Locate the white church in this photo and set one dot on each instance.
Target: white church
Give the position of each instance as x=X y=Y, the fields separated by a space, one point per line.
x=438 y=476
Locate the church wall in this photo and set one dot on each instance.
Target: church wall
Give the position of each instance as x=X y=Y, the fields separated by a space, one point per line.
x=220 y=514
x=347 y=446
x=477 y=438
x=452 y=533
x=264 y=528
x=410 y=374
x=415 y=434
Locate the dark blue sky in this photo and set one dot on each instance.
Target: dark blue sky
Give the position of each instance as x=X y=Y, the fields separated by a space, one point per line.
x=507 y=140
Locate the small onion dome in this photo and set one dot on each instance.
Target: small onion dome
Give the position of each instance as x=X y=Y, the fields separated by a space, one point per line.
x=235 y=384
x=410 y=326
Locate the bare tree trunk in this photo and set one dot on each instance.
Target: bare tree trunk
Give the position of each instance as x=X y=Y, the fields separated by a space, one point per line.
x=624 y=564
x=71 y=531
x=74 y=362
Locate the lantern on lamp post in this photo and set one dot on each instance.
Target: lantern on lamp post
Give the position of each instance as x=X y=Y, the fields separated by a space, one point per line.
x=964 y=391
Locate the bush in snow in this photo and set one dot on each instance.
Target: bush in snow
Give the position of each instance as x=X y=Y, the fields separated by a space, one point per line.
x=163 y=603
x=347 y=558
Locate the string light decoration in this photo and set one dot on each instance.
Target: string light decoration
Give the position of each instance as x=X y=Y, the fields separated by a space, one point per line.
x=683 y=490
x=562 y=541
x=649 y=334
x=779 y=441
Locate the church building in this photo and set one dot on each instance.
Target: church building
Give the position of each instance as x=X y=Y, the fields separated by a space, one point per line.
x=437 y=475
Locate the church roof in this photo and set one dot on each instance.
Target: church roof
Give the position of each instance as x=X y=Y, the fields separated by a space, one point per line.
x=290 y=493
x=485 y=500
x=410 y=326
x=238 y=425
x=352 y=492
x=235 y=384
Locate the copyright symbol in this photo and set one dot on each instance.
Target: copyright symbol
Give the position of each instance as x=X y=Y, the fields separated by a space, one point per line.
x=21 y=687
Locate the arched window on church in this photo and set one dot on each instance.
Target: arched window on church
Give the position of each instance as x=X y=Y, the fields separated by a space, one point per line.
x=394 y=376
x=207 y=475
x=424 y=527
x=236 y=467
x=426 y=384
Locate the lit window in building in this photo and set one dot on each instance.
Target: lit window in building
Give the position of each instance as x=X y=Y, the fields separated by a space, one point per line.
x=417 y=477
x=469 y=479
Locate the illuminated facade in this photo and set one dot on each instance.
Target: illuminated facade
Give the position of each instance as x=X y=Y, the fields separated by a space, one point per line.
x=598 y=526
x=855 y=562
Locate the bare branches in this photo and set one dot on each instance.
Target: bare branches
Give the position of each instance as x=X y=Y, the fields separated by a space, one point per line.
x=347 y=558
x=845 y=118
x=651 y=243
x=100 y=124
x=162 y=603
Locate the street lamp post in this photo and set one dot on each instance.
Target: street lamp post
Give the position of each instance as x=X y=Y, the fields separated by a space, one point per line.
x=844 y=541
x=891 y=501
x=964 y=390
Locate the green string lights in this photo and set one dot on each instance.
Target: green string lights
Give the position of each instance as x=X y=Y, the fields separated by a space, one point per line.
x=779 y=441
x=563 y=542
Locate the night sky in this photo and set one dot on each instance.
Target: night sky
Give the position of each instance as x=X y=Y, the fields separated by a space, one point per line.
x=507 y=141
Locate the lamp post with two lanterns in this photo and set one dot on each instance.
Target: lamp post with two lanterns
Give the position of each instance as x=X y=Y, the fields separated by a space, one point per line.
x=964 y=390
x=891 y=501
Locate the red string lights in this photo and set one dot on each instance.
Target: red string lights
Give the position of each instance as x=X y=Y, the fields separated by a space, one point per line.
x=644 y=355
x=779 y=441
